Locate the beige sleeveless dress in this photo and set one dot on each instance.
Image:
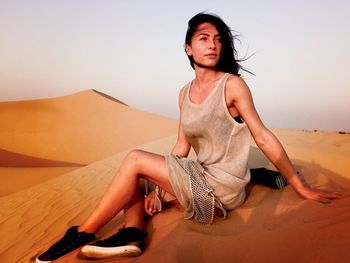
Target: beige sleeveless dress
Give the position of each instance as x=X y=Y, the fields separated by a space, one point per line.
x=219 y=175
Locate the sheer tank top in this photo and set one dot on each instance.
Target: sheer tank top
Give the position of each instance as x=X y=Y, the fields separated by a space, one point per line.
x=221 y=143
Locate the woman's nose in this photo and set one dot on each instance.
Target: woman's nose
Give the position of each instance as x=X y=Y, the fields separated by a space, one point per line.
x=212 y=44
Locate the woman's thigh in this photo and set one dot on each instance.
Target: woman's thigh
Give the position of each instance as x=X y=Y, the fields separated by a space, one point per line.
x=152 y=167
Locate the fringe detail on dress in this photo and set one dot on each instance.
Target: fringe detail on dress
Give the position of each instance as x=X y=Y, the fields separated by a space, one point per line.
x=202 y=194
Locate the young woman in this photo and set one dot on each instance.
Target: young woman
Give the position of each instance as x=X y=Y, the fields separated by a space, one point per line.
x=217 y=118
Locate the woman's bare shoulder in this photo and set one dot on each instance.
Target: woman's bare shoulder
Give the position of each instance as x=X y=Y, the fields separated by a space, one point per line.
x=234 y=80
x=236 y=87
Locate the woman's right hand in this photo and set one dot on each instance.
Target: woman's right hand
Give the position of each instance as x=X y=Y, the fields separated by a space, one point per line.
x=149 y=203
x=321 y=195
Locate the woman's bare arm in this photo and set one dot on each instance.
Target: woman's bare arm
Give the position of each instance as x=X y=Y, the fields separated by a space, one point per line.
x=182 y=146
x=241 y=98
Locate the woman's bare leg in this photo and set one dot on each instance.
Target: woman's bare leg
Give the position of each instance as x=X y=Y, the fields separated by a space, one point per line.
x=134 y=212
x=125 y=185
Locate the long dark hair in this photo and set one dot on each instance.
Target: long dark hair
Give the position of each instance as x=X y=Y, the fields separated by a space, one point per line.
x=228 y=61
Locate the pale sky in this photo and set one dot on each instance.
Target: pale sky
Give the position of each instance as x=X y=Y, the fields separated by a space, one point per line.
x=133 y=51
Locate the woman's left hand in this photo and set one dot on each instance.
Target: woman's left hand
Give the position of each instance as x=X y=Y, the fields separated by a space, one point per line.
x=320 y=195
x=149 y=204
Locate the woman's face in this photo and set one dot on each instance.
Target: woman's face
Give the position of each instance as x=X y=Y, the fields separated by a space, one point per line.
x=205 y=47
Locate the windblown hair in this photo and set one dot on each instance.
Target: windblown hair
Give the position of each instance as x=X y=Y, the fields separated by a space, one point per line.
x=228 y=61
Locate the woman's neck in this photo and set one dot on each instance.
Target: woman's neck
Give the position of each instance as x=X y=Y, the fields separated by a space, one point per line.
x=205 y=76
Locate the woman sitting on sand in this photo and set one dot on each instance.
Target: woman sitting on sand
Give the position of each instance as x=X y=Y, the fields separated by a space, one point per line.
x=218 y=119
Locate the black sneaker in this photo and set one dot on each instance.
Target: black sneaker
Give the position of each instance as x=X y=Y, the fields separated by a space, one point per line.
x=126 y=242
x=71 y=240
x=268 y=178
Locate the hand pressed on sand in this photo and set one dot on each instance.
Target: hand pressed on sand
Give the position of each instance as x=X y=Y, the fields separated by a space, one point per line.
x=320 y=195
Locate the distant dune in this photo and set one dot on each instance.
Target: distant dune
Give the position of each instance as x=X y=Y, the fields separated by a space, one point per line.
x=68 y=149
x=79 y=128
x=69 y=131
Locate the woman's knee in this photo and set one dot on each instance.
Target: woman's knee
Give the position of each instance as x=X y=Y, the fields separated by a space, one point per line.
x=133 y=158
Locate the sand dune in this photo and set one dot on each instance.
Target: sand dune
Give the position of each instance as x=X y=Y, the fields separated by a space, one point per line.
x=69 y=131
x=79 y=128
x=271 y=226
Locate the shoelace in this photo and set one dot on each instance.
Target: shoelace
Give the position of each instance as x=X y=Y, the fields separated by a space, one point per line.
x=281 y=182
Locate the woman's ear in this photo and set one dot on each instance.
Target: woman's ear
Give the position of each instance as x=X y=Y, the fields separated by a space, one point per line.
x=188 y=50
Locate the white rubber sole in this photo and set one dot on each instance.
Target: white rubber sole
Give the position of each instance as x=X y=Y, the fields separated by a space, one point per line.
x=95 y=252
x=40 y=261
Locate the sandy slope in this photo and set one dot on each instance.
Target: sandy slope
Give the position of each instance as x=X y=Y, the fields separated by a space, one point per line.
x=17 y=179
x=272 y=226
x=65 y=134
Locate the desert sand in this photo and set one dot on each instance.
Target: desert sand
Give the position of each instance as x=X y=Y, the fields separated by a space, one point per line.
x=79 y=141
